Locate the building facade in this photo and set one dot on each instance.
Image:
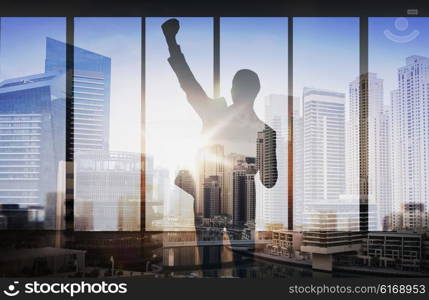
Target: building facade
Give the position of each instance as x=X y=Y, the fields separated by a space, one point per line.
x=410 y=145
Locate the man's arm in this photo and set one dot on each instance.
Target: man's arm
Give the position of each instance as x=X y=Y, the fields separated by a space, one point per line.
x=194 y=92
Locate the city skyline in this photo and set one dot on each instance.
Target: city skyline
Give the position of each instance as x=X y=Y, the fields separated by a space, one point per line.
x=382 y=109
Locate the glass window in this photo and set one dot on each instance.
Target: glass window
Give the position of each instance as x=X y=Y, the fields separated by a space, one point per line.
x=398 y=122
x=32 y=124
x=326 y=157
x=106 y=121
x=256 y=48
x=173 y=126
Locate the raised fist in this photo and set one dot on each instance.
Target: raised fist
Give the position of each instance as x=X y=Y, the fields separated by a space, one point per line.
x=170 y=27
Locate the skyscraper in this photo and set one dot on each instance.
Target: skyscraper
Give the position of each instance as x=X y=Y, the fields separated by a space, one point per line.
x=298 y=164
x=90 y=111
x=32 y=128
x=212 y=196
x=91 y=94
x=231 y=160
x=274 y=199
x=244 y=197
x=323 y=149
x=410 y=145
x=330 y=221
x=210 y=163
x=32 y=141
x=378 y=150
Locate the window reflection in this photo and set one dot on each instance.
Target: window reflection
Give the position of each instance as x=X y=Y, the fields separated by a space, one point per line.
x=326 y=60
x=173 y=127
x=106 y=122
x=258 y=44
x=398 y=124
x=32 y=125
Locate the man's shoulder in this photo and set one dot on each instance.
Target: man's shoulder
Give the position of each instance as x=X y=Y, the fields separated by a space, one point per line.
x=219 y=103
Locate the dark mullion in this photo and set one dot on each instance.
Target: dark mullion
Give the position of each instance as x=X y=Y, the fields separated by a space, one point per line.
x=290 y=123
x=216 y=57
x=69 y=201
x=363 y=125
x=143 y=128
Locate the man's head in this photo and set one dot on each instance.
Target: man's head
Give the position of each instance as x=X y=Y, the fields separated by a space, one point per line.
x=245 y=87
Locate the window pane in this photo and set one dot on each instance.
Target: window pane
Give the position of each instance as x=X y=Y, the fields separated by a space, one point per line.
x=326 y=61
x=172 y=126
x=259 y=45
x=399 y=122
x=106 y=119
x=32 y=125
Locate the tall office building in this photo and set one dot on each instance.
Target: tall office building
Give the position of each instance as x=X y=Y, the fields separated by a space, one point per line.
x=329 y=220
x=250 y=196
x=91 y=94
x=107 y=191
x=210 y=163
x=32 y=141
x=33 y=122
x=298 y=165
x=383 y=184
x=230 y=161
x=212 y=196
x=274 y=199
x=323 y=149
x=410 y=145
x=244 y=196
x=378 y=149
x=90 y=111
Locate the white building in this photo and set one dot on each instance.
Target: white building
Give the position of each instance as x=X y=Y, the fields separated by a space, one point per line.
x=324 y=160
x=275 y=208
x=410 y=144
x=379 y=188
x=107 y=191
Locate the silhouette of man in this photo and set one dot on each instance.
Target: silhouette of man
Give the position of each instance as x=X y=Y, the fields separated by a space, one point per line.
x=236 y=126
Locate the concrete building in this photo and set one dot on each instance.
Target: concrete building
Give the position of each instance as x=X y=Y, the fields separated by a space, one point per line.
x=403 y=250
x=107 y=191
x=285 y=243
